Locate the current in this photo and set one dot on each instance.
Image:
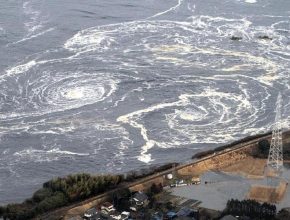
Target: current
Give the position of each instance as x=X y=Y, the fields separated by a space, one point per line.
x=105 y=86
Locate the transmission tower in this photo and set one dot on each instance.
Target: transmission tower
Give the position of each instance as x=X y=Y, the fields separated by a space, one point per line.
x=275 y=157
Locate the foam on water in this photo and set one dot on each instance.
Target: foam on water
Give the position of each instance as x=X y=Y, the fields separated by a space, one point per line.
x=30 y=37
x=28 y=155
x=168 y=10
x=182 y=53
x=76 y=93
x=174 y=53
x=88 y=40
x=54 y=92
x=19 y=69
x=2 y=31
x=166 y=43
x=34 y=21
x=251 y=1
x=33 y=24
x=201 y=117
x=130 y=93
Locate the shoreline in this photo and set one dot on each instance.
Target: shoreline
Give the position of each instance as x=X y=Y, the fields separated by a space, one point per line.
x=139 y=181
x=247 y=142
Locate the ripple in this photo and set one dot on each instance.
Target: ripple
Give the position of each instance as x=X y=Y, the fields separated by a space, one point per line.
x=222 y=106
x=216 y=113
x=113 y=97
x=251 y=1
x=28 y=155
x=74 y=92
x=176 y=83
x=195 y=44
x=54 y=92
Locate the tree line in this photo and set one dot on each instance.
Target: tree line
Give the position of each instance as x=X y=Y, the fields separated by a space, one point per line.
x=63 y=191
x=251 y=208
x=59 y=192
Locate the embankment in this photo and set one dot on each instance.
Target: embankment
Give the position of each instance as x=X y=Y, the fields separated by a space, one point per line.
x=214 y=160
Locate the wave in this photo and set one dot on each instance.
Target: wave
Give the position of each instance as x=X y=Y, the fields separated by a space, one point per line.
x=2 y=31
x=19 y=69
x=176 y=43
x=30 y=37
x=168 y=10
x=55 y=92
x=34 y=23
x=251 y=1
x=30 y=154
x=205 y=88
x=201 y=117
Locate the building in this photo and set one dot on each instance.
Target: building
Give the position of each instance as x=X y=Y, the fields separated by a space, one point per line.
x=157 y=216
x=139 y=200
x=178 y=183
x=90 y=213
x=228 y=217
x=171 y=215
x=184 y=211
x=125 y=215
x=107 y=208
x=195 y=180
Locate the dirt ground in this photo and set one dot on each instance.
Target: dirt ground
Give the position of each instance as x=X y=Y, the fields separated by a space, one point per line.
x=268 y=194
x=249 y=167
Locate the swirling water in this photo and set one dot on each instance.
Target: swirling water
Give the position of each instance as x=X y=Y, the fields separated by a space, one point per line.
x=110 y=86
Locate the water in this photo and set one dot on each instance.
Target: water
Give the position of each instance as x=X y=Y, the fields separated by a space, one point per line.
x=110 y=86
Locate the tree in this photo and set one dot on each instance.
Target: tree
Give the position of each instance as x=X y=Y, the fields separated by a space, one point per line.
x=250 y=208
x=155 y=189
x=57 y=200
x=41 y=194
x=2 y=209
x=59 y=192
x=264 y=146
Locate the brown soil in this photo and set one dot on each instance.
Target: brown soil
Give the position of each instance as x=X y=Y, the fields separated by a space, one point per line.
x=268 y=194
x=249 y=167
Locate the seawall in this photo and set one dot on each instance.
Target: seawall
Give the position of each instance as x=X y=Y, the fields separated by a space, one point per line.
x=234 y=152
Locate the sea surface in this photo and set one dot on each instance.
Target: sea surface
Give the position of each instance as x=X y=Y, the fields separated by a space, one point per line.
x=104 y=86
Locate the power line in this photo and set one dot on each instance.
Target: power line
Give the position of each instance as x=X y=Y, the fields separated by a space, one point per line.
x=275 y=157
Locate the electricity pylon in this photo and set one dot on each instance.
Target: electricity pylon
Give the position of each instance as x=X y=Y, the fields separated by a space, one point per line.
x=275 y=157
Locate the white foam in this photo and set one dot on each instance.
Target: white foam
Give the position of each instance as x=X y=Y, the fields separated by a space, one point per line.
x=2 y=31
x=214 y=109
x=132 y=117
x=58 y=151
x=209 y=116
x=185 y=37
x=168 y=10
x=31 y=154
x=189 y=116
x=271 y=67
x=6 y=151
x=88 y=40
x=20 y=68
x=174 y=48
x=33 y=24
x=76 y=93
x=251 y=1
x=30 y=37
x=60 y=92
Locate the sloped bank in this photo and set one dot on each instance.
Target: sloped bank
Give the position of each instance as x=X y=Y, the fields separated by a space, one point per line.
x=214 y=159
x=211 y=160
